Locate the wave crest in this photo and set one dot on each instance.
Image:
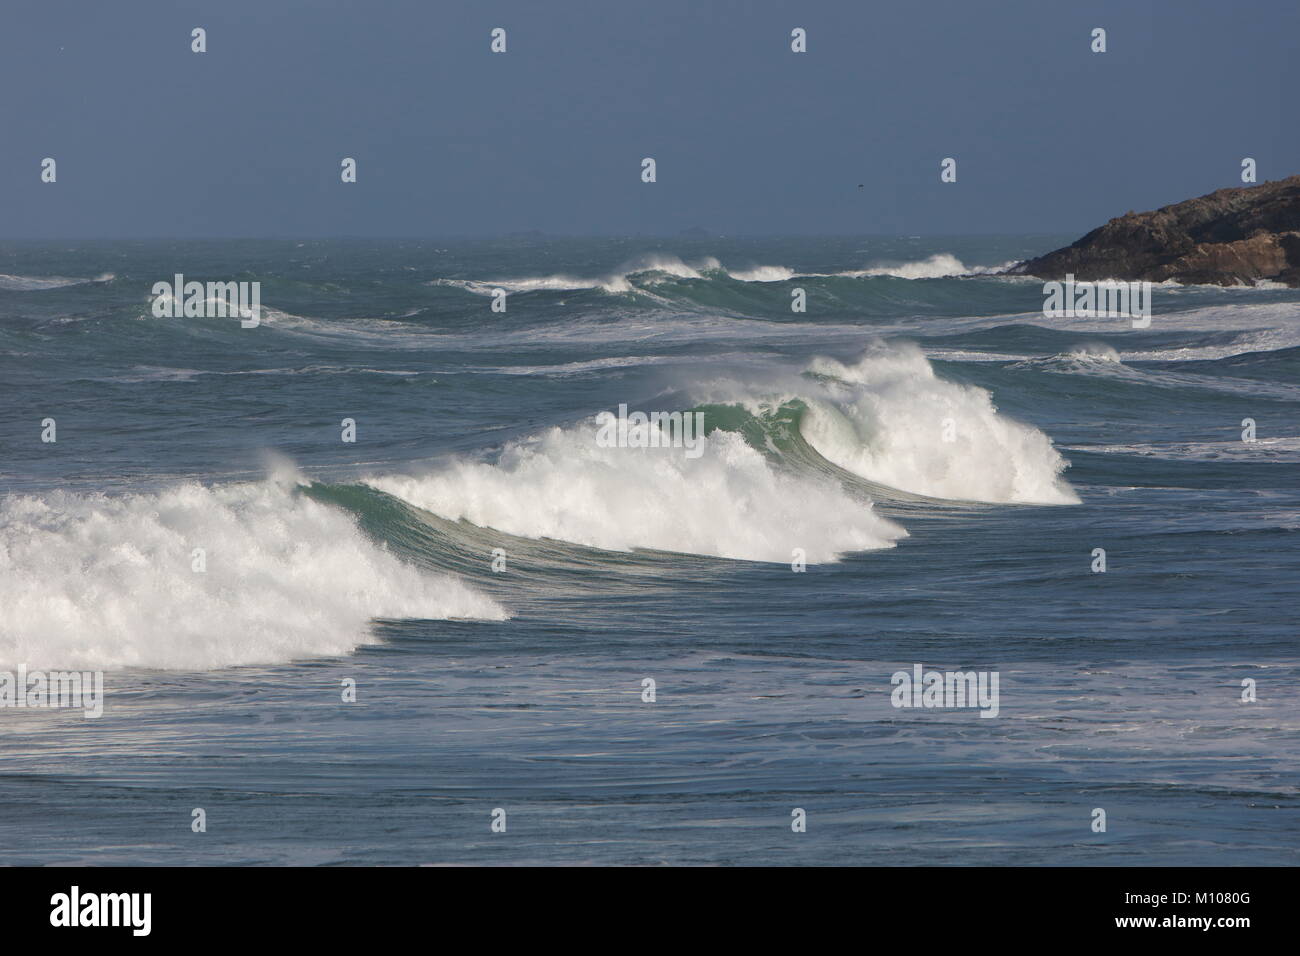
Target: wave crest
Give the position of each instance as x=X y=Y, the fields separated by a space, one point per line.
x=99 y=582
x=890 y=419
x=729 y=502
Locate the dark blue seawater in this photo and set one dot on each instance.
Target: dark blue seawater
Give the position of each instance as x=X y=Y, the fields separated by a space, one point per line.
x=943 y=457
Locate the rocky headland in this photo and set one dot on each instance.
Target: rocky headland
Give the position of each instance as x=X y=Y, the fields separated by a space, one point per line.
x=1230 y=237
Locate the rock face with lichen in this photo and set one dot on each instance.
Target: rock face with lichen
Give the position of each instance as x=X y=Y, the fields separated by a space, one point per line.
x=1230 y=237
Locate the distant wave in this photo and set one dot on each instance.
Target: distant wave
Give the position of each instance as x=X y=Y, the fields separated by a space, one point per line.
x=41 y=283
x=1097 y=359
x=937 y=266
x=1280 y=449
x=1085 y=355
x=648 y=266
x=1245 y=342
x=1232 y=328
x=648 y=270
x=762 y=274
x=941 y=265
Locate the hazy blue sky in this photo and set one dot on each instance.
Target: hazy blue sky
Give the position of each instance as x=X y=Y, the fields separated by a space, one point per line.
x=750 y=138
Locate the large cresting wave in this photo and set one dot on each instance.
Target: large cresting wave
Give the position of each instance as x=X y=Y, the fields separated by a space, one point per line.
x=100 y=582
x=889 y=418
x=778 y=470
x=729 y=502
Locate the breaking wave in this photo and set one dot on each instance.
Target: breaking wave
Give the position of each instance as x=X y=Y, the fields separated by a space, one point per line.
x=787 y=464
x=98 y=582
x=649 y=270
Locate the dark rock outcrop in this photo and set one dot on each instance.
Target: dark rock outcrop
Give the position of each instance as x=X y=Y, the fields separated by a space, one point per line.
x=1230 y=237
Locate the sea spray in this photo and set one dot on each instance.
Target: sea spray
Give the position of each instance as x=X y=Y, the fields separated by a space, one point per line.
x=890 y=419
x=98 y=581
x=729 y=502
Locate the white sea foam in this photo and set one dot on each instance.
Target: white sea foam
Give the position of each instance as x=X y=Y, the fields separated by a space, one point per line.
x=97 y=581
x=556 y=283
x=890 y=419
x=729 y=502
x=1087 y=357
x=1094 y=352
x=659 y=266
x=1100 y=360
x=648 y=268
x=938 y=266
x=1252 y=340
x=762 y=274
x=1258 y=327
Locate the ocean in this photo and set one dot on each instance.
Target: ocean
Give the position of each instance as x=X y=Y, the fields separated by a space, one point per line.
x=476 y=633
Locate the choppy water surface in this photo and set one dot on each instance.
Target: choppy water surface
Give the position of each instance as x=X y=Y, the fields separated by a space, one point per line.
x=943 y=457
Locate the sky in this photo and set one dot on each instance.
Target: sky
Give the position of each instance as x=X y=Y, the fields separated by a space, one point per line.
x=749 y=138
